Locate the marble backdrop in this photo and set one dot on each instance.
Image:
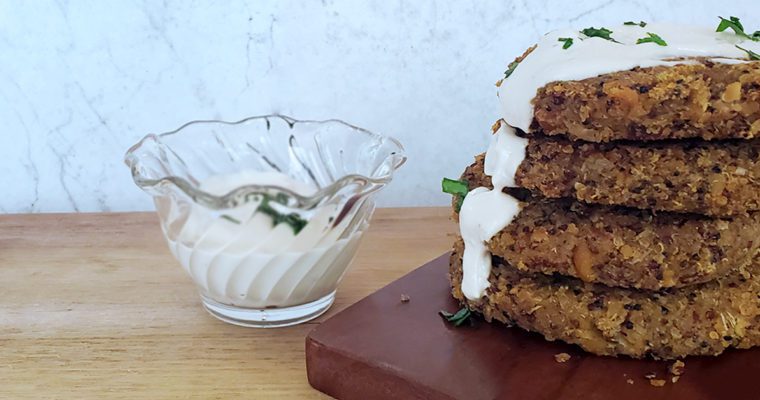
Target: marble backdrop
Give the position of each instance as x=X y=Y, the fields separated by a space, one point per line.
x=81 y=81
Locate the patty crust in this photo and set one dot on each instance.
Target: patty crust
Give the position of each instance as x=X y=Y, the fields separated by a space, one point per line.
x=621 y=246
x=693 y=176
x=702 y=99
x=699 y=320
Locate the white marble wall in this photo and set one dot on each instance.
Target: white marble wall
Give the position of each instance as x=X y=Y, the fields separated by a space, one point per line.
x=80 y=81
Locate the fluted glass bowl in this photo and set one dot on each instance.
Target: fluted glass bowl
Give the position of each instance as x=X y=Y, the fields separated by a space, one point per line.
x=265 y=214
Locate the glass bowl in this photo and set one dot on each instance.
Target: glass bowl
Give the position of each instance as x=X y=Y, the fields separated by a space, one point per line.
x=265 y=214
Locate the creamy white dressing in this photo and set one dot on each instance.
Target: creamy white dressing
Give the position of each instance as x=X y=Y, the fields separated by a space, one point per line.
x=219 y=185
x=592 y=56
x=243 y=260
x=485 y=212
x=504 y=156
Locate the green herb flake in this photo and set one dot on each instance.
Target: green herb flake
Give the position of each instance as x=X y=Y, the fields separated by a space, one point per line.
x=458 y=318
x=751 y=54
x=652 y=38
x=455 y=188
x=731 y=23
x=640 y=23
x=568 y=42
x=231 y=219
x=735 y=25
x=603 y=33
x=511 y=68
x=293 y=220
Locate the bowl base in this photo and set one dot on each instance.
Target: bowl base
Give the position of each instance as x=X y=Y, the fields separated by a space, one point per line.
x=268 y=317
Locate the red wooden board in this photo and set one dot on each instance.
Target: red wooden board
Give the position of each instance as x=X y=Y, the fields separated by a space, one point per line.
x=382 y=348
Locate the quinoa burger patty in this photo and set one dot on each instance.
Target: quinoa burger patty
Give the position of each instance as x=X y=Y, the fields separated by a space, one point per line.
x=700 y=320
x=693 y=176
x=720 y=178
x=703 y=100
x=620 y=246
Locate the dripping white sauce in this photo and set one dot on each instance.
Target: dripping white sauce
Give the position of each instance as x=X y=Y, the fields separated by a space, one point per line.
x=485 y=212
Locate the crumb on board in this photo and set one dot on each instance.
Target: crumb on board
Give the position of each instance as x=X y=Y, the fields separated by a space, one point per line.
x=657 y=382
x=561 y=357
x=654 y=381
x=677 y=368
x=629 y=381
x=405 y=298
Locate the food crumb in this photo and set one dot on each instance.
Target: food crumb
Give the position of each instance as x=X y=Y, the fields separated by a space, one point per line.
x=675 y=378
x=650 y=375
x=657 y=382
x=677 y=367
x=630 y=381
x=562 y=357
x=405 y=298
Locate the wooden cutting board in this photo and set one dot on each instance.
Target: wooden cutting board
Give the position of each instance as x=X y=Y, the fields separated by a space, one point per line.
x=383 y=348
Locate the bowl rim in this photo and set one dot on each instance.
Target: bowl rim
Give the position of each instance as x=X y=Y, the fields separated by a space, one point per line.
x=231 y=198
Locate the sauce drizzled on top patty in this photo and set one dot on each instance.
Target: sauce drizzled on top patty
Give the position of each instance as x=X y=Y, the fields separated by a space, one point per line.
x=589 y=57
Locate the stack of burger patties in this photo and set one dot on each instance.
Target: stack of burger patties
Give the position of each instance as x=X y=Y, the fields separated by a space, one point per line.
x=618 y=208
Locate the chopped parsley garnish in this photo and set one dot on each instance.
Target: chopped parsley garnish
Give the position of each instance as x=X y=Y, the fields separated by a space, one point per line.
x=751 y=54
x=293 y=220
x=455 y=188
x=735 y=25
x=568 y=42
x=603 y=33
x=231 y=219
x=640 y=23
x=458 y=318
x=652 y=38
x=732 y=23
x=511 y=68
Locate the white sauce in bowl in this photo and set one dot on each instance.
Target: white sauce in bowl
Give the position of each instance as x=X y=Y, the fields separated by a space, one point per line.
x=244 y=260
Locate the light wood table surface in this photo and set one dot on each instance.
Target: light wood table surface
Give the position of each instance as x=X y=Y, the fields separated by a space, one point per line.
x=94 y=306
